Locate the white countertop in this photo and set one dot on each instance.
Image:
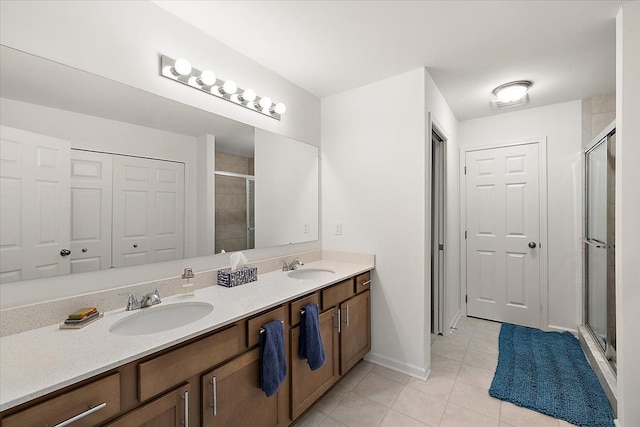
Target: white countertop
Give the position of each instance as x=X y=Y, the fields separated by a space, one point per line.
x=40 y=361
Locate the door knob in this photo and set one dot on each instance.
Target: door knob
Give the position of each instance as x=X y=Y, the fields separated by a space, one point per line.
x=65 y=252
x=532 y=245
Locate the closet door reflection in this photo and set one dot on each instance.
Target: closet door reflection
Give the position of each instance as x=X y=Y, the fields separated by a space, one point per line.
x=599 y=243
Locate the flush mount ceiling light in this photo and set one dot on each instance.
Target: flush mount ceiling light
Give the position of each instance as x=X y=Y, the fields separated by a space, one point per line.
x=181 y=71
x=511 y=94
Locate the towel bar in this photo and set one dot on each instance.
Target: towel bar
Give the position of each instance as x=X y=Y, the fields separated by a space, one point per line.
x=262 y=329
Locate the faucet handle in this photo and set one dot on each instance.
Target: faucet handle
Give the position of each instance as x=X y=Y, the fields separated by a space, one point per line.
x=132 y=302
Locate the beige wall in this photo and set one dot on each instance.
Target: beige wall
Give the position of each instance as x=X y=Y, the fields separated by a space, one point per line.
x=597 y=113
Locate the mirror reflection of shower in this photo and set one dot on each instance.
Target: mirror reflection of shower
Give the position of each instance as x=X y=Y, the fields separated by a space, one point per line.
x=234 y=203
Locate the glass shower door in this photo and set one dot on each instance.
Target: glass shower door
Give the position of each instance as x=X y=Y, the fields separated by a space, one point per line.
x=599 y=243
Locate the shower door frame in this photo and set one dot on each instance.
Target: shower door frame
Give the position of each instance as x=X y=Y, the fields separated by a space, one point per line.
x=608 y=349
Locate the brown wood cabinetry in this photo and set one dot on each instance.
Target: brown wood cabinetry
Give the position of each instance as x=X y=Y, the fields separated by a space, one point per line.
x=169 y=410
x=355 y=330
x=307 y=385
x=89 y=405
x=231 y=396
x=214 y=380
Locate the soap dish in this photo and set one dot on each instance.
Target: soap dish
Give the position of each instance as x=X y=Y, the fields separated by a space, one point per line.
x=81 y=325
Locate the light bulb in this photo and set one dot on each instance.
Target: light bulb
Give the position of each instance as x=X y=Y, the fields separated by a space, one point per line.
x=279 y=108
x=247 y=95
x=207 y=78
x=182 y=67
x=265 y=102
x=511 y=92
x=229 y=87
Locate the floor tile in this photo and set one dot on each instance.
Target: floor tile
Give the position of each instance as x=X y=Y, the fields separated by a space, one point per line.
x=327 y=403
x=476 y=399
x=436 y=385
x=419 y=405
x=391 y=374
x=457 y=416
x=358 y=411
x=523 y=417
x=484 y=344
x=396 y=419
x=313 y=418
x=447 y=349
x=378 y=389
x=563 y=423
x=355 y=375
x=330 y=422
x=441 y=365
x=481 y=360
x=475 y=376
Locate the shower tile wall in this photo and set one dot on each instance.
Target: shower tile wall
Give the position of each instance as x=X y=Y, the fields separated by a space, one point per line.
x=597 y=113
x=231 y=203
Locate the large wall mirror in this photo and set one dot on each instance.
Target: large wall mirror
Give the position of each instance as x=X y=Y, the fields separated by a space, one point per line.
x=97 y=175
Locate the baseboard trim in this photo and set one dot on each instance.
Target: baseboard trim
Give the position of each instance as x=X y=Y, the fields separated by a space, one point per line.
x=617 y=423
x=562 y=329
x=455 y=321
x=420 y=373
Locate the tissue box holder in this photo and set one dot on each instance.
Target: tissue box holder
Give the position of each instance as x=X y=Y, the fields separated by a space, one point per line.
x=229 y=278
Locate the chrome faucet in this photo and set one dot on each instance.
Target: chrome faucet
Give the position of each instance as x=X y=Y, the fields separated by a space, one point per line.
x=152 y=298
x=292 y=265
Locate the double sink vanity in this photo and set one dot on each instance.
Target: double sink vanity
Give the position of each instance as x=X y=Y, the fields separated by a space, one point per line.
x=189 y=361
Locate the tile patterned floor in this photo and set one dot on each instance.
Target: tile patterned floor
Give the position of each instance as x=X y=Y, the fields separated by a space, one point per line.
x=455 y=395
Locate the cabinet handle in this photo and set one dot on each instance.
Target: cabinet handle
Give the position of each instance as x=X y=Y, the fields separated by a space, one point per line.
x=339 y=320
x=347 y=315
x=214 y=392
x=82 y=415
x=365 y=283
x=186 y=409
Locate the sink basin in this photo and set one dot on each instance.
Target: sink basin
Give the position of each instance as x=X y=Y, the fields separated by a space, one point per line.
x=161 y=318
x=311 y=273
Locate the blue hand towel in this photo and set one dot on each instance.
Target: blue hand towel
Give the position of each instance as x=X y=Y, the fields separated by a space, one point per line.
x=311 y=347
x=273 y=366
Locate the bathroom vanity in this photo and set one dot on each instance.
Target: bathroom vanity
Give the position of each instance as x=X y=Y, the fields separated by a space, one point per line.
x=203 y=373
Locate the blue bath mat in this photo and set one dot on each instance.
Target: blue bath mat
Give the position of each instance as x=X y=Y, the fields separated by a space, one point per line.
x=547 y=372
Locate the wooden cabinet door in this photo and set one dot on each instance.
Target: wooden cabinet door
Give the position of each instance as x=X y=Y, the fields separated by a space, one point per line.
x=307 y=385
x=169 y=410
x=355 y=336
x=231 y=396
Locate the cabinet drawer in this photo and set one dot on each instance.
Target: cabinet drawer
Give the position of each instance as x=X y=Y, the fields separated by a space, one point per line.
x=170 y=369
x=363 y=282
x=337 y=293
x=297 y=305
x=104 y=393
x=254 y=325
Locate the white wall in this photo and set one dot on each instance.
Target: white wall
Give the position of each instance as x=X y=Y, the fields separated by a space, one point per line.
x=561 y=124
x=122 y=40
x=445 y=121
x=375 y=183
x=628 y=212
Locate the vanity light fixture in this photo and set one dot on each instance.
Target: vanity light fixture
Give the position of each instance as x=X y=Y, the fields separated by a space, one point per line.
x=181 y=71
x=511 y=94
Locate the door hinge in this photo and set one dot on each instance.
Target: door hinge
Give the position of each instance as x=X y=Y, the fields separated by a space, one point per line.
x=465 y=170
x=441 y=247
x=465 y=234
x=466 y=298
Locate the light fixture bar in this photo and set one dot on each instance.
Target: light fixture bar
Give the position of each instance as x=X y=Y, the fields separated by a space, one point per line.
x=181 y=71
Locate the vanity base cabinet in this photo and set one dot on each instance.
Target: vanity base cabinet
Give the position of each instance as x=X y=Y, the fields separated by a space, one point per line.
x=307 y=385
x=169 y=410
x=89 y=405
x=355 y=330
x=231 y=396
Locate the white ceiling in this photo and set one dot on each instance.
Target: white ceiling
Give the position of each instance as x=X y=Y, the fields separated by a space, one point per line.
x=567 y=48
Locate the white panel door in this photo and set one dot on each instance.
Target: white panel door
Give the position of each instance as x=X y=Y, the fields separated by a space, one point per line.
x=148 y=211
x=91 y=188
x=34 y=207
x=503 y=234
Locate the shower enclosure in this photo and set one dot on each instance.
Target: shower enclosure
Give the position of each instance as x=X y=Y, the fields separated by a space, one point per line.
x=599 y=241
